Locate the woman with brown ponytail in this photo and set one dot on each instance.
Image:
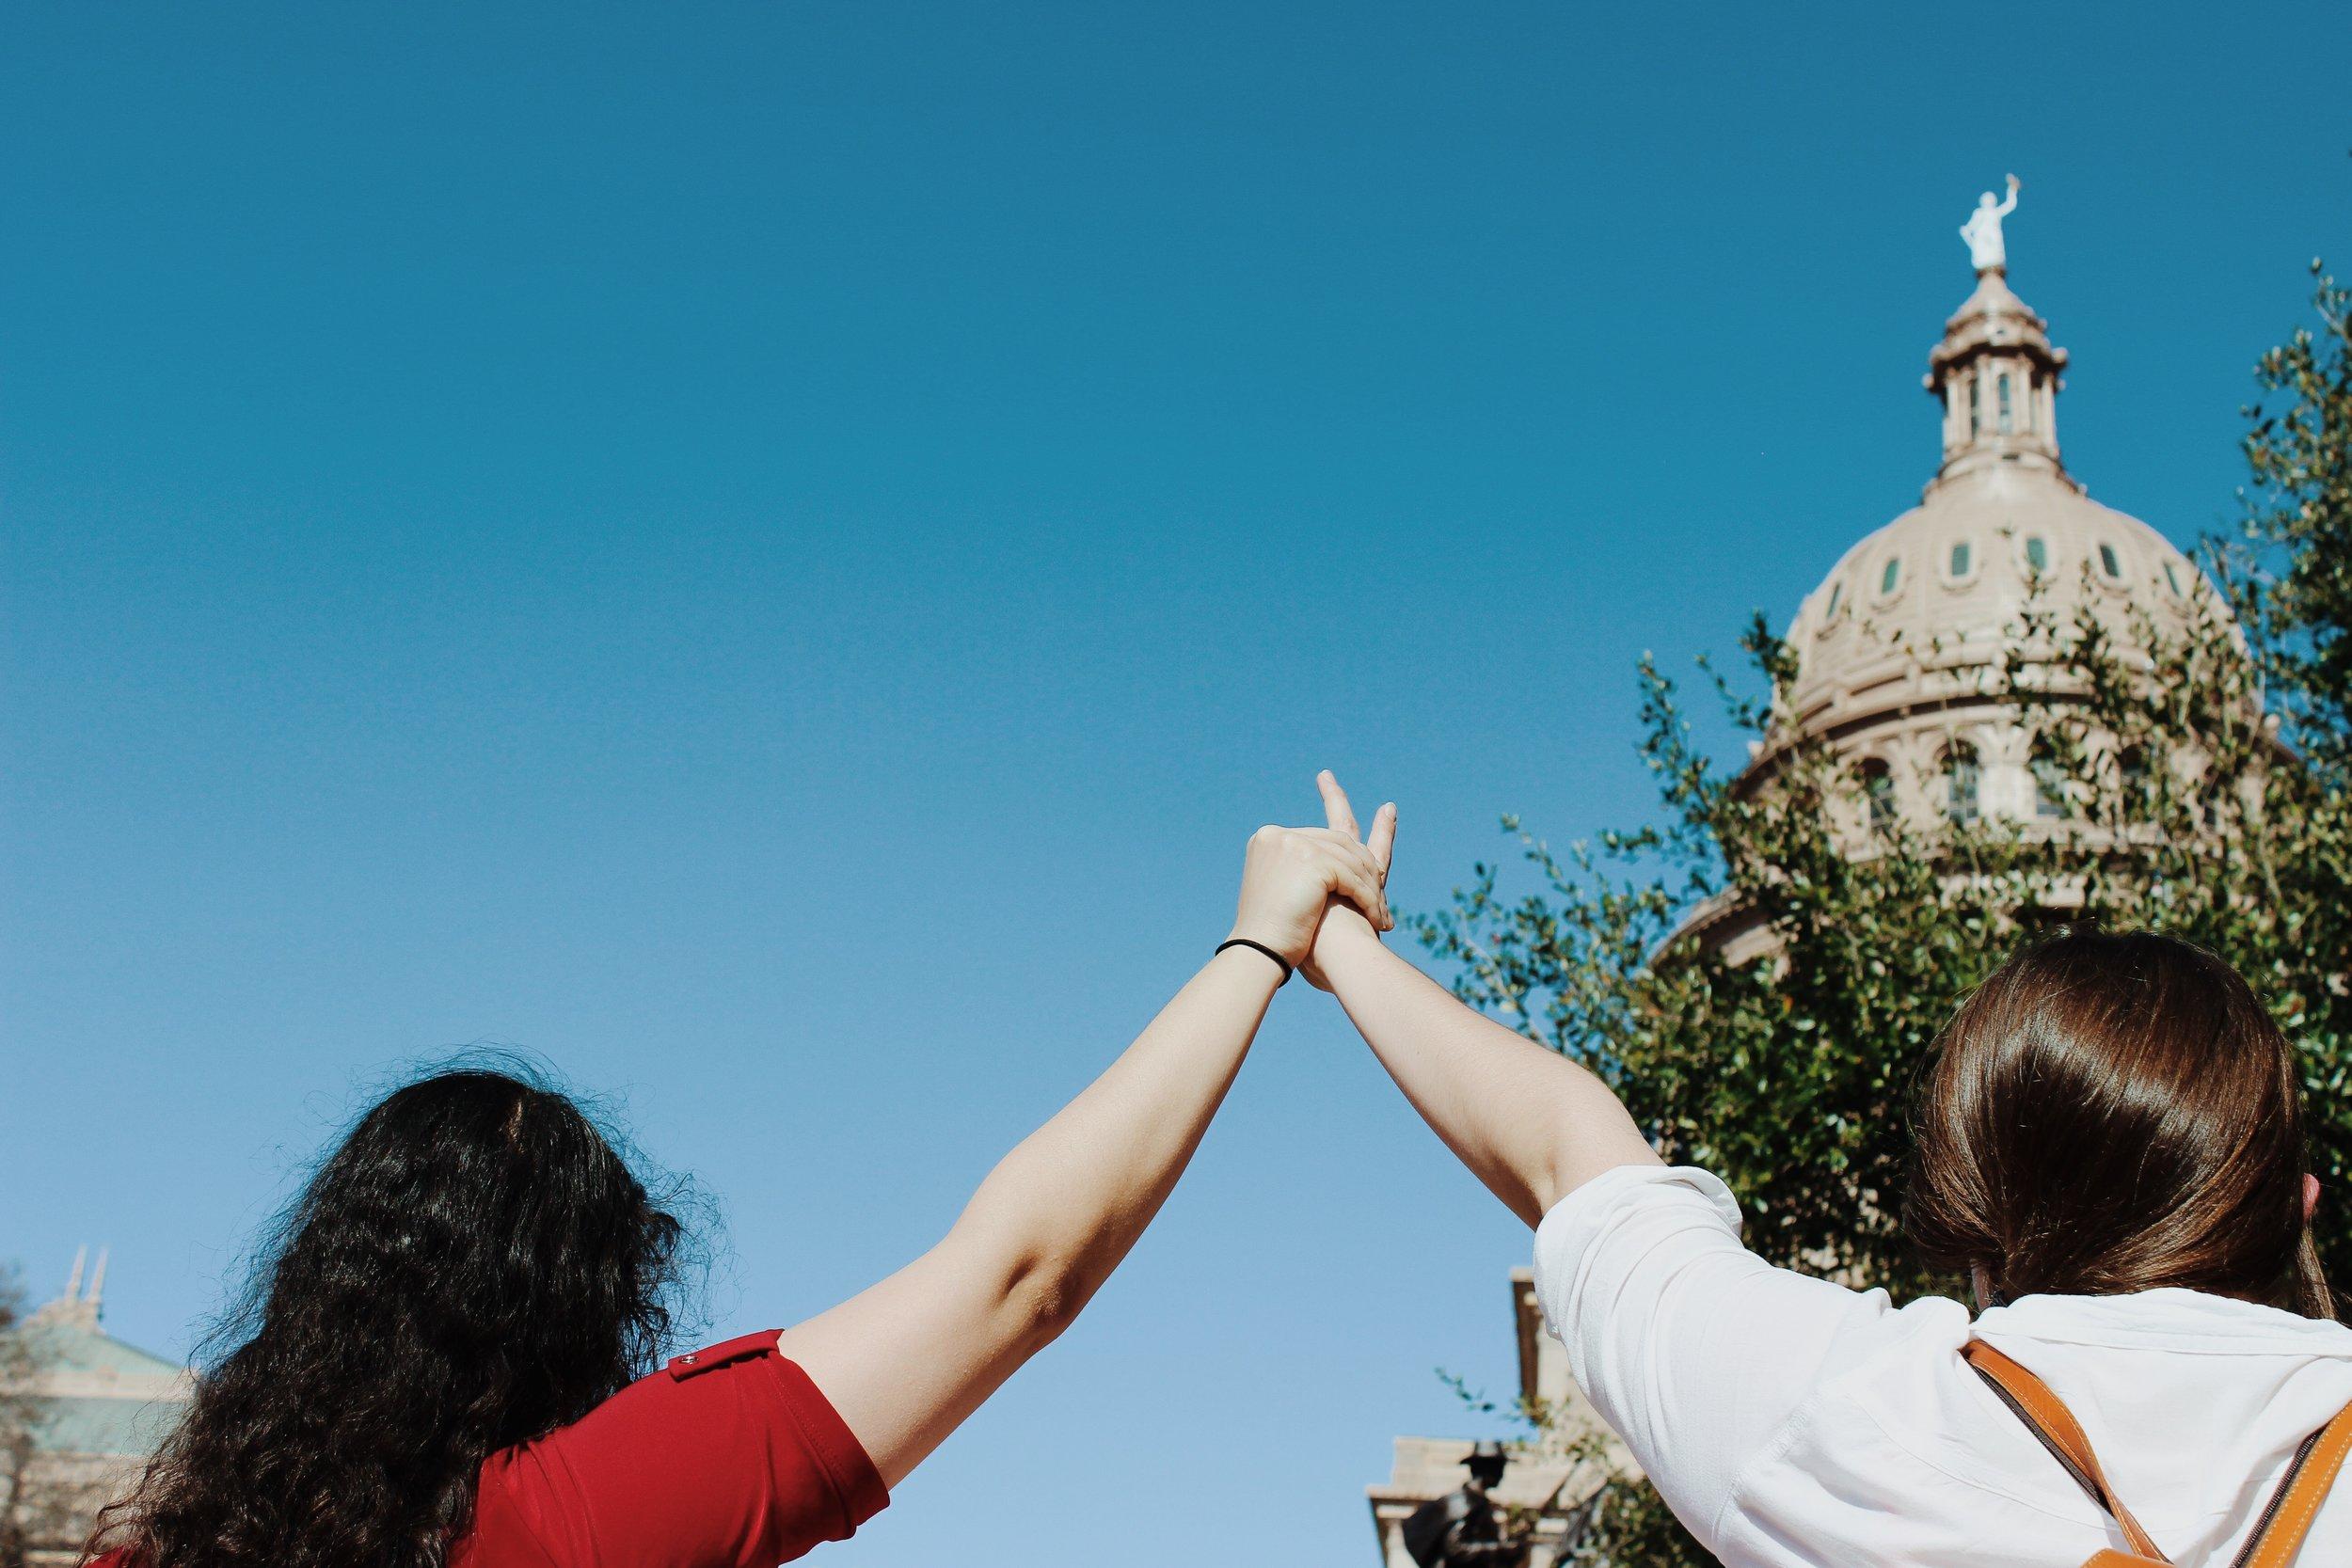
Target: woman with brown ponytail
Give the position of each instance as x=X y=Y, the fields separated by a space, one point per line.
x=2110 y=1148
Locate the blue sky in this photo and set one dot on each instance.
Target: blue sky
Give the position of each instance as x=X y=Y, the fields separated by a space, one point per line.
x=770 y=555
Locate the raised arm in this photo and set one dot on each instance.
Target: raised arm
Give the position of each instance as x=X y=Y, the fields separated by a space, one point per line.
x=1530 y=1124
x=906 y=1360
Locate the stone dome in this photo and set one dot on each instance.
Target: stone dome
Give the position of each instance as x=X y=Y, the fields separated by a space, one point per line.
x=1945 y=587
x=1912 y=609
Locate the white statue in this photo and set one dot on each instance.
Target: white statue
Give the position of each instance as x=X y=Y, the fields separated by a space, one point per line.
x=1983 y=229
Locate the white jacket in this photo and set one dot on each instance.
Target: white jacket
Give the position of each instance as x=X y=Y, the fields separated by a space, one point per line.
x=1790 y=1420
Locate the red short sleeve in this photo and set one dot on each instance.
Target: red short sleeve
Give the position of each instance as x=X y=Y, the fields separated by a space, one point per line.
x=727 y=1458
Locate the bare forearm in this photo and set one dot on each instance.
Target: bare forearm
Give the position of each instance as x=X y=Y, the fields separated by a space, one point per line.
x=905 y=1360
x=1528 y=1122
x=1072 y=1196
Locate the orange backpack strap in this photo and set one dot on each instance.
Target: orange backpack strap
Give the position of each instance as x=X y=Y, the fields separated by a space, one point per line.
x=2051 y=1421
x=2299 y=1495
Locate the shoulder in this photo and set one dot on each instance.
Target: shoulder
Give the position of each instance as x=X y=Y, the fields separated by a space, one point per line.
x=726 y=1457
x=1699 y=1353
x=1624 y=1218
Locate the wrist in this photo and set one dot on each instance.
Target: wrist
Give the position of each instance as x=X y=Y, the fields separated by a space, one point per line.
x=1257 y=951
x=1346 y=944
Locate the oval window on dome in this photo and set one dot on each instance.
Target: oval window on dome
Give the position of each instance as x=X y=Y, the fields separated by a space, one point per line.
x=1963 y=559
x=1836 y=591
x=2037 y=554
x=2172 y=580
x=1892 y=575
x=2110 y=563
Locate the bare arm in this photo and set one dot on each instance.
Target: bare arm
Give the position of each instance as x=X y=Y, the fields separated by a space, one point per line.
x=1528 y=1122
x=906 y=1360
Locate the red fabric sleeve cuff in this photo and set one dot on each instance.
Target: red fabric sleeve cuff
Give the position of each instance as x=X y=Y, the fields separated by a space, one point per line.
x=831 y=1444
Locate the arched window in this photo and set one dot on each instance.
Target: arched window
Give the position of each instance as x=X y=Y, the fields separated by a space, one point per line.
x=2133 y=768
x=2110 y=563
x=2050 y=801
x=1961 y=777
x=1961 y=558
x=1892 y=575
x=1836 y=591
x=2001 y=390
x=2173 y=579
x=1878 y=790
x=2037 y=555
x=1976 y=414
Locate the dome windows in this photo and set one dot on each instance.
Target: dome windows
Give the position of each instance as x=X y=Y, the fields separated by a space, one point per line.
x=2131 y=769
x=2173 y=579
x=1955 y=562
x=1962 y=774
x=1878 y=793
x=2050 y=801
x=1830 y=608
x=2001 y=397
x=2037 y=554
x=2110 y=564
x=1891 y=575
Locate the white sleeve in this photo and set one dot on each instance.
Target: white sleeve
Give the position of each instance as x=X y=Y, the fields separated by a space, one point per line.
x=1694 y=1349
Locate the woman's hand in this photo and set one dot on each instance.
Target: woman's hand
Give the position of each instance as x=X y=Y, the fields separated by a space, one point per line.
x=1293 y=876
x=1340 y=922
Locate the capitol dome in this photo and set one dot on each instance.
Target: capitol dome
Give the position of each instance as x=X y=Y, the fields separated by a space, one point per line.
x=1893 y=650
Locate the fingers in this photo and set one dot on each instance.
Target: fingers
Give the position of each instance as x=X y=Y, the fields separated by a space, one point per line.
x=1335 y=807
x=1351 y=873
x=1383 y=840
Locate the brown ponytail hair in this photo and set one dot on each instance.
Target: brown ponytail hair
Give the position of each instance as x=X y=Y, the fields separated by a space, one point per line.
x=2112 y=1113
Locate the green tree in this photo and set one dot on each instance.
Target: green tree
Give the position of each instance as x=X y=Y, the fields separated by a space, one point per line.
x=2295 y=590
x=16 y=1413
x=2196 y=777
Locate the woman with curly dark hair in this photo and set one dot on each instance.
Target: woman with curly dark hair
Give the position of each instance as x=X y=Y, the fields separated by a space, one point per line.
x=445 y=1358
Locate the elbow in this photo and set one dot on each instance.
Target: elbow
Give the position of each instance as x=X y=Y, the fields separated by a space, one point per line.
x=1028 y=1291
x=1041 y=1296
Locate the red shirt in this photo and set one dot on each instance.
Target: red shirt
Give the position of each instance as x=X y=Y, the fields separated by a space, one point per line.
x=727 y=1458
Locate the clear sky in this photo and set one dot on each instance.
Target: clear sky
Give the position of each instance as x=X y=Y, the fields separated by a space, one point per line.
x=770 y=555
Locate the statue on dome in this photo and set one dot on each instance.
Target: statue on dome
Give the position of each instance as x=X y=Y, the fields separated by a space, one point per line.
x=1983 y=229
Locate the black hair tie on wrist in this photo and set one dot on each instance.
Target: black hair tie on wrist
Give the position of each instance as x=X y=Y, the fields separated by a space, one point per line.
x=1283 y=963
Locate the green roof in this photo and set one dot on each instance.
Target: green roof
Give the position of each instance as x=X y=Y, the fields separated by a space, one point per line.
x=90 y=1393
x=103 y=1426
x=65 y=1344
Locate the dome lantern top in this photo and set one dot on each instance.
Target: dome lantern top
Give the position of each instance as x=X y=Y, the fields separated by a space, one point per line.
x=1996 y=374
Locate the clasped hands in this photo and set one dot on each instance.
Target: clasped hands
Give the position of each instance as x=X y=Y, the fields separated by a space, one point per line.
x=1307 y=893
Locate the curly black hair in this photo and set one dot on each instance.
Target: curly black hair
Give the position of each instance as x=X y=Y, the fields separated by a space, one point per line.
x=476 y=1264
